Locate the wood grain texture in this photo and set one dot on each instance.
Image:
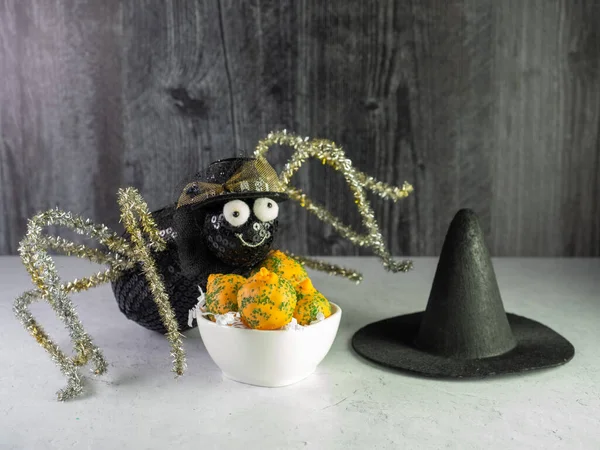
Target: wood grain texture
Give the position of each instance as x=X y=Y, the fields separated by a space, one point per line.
x=60 y=113
x=489 y=105
x=546 y=117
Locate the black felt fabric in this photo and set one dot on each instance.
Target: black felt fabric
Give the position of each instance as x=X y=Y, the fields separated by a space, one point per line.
x=464 y=331
x=391 y=343
x=465 y=316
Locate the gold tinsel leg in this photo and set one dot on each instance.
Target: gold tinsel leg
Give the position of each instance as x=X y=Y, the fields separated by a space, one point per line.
x=132 y=206
x=66 y=365
x=322 y=266
x=41 y=267
x=121 y=255
x=329 y=153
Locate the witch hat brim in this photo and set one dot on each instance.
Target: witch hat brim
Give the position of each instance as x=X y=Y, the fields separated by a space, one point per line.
x=391 y=343
x=464 y=331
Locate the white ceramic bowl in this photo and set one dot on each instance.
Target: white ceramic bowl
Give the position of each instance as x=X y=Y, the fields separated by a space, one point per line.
x=269 y=358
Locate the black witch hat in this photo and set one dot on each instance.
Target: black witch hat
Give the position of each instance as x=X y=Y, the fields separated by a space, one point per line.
x=464 y=332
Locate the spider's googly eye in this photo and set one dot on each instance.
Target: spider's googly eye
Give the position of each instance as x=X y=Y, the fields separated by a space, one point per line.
x=266 y=209
x=236 y=212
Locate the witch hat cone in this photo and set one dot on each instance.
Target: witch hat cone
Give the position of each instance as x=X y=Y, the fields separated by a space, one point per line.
x=464 y=331
x=465 y=316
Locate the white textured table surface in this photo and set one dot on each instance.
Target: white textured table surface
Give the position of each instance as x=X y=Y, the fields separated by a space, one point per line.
x=348 y=403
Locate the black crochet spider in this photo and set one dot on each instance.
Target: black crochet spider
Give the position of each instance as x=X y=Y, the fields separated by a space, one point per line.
x=207 y=208
x=226 y=232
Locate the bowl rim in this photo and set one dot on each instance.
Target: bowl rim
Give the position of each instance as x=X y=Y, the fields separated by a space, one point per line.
x=336 y=310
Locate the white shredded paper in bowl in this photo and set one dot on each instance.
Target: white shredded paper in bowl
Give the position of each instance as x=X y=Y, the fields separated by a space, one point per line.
x=233 y=319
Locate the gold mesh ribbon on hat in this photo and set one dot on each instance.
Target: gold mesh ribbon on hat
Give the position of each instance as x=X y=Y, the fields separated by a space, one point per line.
x=255 y=175
x=122 y=254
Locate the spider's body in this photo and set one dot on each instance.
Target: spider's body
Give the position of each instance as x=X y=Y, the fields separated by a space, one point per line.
x=211 y=230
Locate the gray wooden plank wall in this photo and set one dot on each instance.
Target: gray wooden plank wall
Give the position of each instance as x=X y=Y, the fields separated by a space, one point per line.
x=492 y=105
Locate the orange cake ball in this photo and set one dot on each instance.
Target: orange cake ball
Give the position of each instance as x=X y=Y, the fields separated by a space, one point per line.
x=284 y=266
x=221 y=292
x=310 y=303
x=266 y=301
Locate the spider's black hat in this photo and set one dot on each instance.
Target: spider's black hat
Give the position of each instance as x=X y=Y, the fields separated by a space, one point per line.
x=233 y=178
x=464 y=331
